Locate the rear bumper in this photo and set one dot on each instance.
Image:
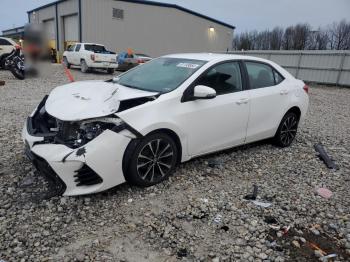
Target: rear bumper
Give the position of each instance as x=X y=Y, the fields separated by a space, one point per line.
x=103 y=65
x=92 y=168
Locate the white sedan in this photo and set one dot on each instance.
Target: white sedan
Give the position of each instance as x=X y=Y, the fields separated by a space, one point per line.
x=91 y=136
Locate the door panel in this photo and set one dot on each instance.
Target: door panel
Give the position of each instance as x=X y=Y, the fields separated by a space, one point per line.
x=70 y=54
x=215 y=124
x=268 y=101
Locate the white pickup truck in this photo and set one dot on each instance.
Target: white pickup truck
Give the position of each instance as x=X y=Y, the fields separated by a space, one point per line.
x=89 y=56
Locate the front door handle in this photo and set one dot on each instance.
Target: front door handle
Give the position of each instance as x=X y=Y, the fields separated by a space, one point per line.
x=284 y=92
x=243 y=101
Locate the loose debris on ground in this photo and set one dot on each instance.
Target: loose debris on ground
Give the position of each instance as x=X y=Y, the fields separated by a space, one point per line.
x=200 y=213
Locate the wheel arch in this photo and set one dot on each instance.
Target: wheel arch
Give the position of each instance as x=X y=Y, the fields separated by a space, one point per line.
x=174 y=136
x=134 y=142
x=294 y=109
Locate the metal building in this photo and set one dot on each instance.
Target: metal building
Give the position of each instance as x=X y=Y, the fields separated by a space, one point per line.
x=144 y=26
x=15 y=33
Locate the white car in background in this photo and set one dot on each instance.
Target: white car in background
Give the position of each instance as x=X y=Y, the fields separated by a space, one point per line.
x=93 y=135
x=7 y=45
x=90 y=56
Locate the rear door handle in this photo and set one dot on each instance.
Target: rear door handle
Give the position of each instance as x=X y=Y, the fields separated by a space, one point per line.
x=284 y=92
x=242 y=101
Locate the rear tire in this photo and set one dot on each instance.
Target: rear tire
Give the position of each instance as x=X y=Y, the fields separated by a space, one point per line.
x=287 y=130
x=65 y=62
x=84 y=67
x=151 y=161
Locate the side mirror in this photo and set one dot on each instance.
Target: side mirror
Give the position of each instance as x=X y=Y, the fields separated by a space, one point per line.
x=204 y=92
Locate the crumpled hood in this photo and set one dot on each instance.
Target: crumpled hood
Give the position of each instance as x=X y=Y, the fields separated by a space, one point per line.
x=89 y=99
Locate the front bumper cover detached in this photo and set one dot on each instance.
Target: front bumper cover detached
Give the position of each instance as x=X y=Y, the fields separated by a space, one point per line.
x=92 y=168
x=57 y=186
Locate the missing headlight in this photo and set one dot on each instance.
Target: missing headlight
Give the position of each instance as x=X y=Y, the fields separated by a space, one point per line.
x=76 y=134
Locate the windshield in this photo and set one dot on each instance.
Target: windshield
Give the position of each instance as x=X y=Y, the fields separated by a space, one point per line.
x=95 y=48
x=160 y=75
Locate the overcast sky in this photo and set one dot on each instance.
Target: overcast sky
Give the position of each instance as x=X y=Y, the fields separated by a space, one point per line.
x=244 y=14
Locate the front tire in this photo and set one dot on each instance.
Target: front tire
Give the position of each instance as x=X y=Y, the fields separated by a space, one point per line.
x=287 y=130
x=152 y=161
x=83 y=66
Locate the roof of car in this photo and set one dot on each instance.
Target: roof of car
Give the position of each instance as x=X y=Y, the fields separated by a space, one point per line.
x=213 y=56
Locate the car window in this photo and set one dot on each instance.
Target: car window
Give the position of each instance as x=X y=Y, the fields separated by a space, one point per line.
x=224 y=78
x=260 y=75
x=77 y=48
x=95 y=48
x=161 y=75
x=4 y=42
x=70 y=48
x=278 y=77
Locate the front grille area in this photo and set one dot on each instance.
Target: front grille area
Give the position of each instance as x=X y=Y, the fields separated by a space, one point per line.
x=56 y=185
x=85 y=176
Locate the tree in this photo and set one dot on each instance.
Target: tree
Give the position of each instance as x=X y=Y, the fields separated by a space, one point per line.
x=340 y=35
x=300 y=36
x=297 y=37
x=288 y=38
x=276 y=37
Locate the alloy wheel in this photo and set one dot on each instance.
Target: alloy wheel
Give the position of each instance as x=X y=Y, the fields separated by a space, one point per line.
x=155 y=160
x=289 y=129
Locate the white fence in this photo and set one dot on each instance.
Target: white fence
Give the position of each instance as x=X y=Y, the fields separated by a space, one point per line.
x=326 y=67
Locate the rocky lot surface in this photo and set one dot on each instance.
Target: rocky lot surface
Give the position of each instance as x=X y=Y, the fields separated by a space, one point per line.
x=200 y=213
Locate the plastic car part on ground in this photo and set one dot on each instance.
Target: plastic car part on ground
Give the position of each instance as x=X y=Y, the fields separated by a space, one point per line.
x=324 y=192
x=253 y=198
x=325 y=157
x=253 y=195
x=261 y=204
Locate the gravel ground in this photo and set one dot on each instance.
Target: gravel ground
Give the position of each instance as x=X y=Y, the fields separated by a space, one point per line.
x=199 y=214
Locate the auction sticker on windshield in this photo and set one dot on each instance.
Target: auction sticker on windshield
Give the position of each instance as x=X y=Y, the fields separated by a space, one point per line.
x=188 y=65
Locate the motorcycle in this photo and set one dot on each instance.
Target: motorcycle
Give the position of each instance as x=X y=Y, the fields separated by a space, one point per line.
x=15 y=63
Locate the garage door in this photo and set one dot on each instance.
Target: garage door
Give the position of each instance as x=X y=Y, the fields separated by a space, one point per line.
x=49 y=28
x=71 y=28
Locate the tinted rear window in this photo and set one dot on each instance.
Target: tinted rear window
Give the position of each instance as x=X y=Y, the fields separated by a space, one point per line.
x=96 y=48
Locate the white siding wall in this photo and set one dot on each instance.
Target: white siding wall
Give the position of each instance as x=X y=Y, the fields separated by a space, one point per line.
x=328 y=67
x=149 y=29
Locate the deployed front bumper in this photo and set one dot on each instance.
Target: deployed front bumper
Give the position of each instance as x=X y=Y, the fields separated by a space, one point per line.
x=92 y=168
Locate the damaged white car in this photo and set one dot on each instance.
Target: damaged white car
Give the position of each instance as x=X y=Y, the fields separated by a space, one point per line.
x=91 y=136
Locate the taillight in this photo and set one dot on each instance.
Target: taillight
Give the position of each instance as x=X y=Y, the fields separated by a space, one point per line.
x=92 y=57
x=306 y=89
x=140 y=61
